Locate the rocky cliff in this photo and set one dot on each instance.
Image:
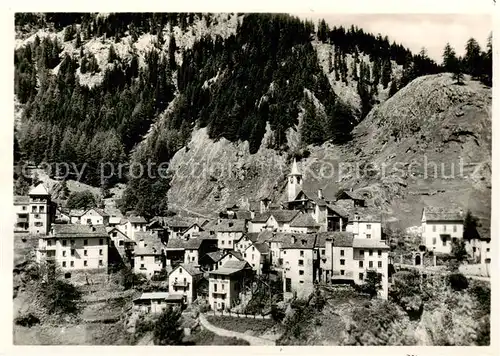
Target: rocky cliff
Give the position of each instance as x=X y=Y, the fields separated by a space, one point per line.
x=432 y=122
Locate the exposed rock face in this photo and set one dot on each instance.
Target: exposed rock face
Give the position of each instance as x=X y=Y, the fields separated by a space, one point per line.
x=432 y=123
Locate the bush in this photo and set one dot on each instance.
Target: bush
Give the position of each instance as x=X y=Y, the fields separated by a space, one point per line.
x=277 y=314
x=167 y=329
x=458 y=281
x=27 y=320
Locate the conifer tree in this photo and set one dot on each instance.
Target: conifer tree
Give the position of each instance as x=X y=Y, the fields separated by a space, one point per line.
x=450 y=60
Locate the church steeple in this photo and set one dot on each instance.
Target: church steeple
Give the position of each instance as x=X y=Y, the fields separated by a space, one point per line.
x=294 y=181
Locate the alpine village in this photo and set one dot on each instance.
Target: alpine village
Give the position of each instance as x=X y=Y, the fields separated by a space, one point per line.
x=245 y=240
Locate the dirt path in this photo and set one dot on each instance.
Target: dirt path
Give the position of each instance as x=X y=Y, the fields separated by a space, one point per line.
x=253 y=340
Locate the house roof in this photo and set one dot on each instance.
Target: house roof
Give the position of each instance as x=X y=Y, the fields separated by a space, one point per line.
x=231 y=267
x=243 y=215
x=21 y=200
x=137 y=220
x=77 y=230
x=366 y=214
x=303 y=220
x=339 y=238
x=190 y=268
x=152 y=244
x=352 y=195
x=76 y=212
x=284 y=216
x=301 y=241
x=98 y=211
x=339 y=210
x=231 y=225
x=215 y=256
x=115 y=220
x=262 y=247
x=39 y=190
x=236 y=254
x=434 y=213
x=261 y=217
x=235 y=264
x=153 y=295
x=369 y=243
x=251 y=236
x=112 y=228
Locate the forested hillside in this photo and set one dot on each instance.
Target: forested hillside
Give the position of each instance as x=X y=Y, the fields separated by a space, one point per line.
x=93 y=86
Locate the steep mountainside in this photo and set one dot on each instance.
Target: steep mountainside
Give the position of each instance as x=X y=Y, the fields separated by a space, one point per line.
x=240 y=90
x=431 y=120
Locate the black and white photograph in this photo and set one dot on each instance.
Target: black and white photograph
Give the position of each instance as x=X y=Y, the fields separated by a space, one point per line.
x=252 y=178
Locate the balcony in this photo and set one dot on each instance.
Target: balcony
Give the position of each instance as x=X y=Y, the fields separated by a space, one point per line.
x=358 y=257
x=347 y=275
x=22 y=220
x=219 y=294
x=182 y=284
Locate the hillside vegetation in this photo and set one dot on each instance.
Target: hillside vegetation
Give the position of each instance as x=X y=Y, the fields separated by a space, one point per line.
x=135 y=88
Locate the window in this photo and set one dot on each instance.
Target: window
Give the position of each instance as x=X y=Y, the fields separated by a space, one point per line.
x=33 y=209
x=360 y=264
x=301 y=253
x=115 y=234
x=368 y=236
x=64 y=242
x=341 y=252
x=370 y=264
x=360 y=276
x=323 y=252
x=368 y=226
x=253 y=248
x=370 y=253
x=245 y=255
x=180 y=270
x=85 y=252
x=342 y=262
x=284 y=252
x=301 y=282
x=24 y=207
x=215 y=287
x=142 y=258
x=72 y=263
x=64 y=253
x=49 y=243
x=379 y=253
x=38 y=223
x=301 y=272
x=454 y=228
x=221 y=285
x=379 y=264
x=64 y=264
x=100 y=263
x=361 y=252
x=85 y=242
x=100 y=252
x=120 y=243
x=433 y=228
x=37 y=216
x=101 y=241
x=488 y=249
x=433 y=240
x=84 y=263
x=142 y=265
x=301 y=262
x=192 y=259
x=444 y=242
x=288 y=285
x=222 y=242
x=72 y=242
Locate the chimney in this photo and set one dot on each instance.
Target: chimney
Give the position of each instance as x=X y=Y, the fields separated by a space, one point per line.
x=141 y=243
x=320 y=194
x=461 y=212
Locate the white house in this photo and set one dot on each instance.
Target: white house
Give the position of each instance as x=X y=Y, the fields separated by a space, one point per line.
x=245 y=241
x=149 y=254
x=21 y=215
x=229 y=231
x=75 y=247
x=183 y=280
x=257 y=256
x=39 y=211
x=440 y=226
x=132 y=225
x=226 y=283
x=94 y=216
x=365 y=224
x=156 y=302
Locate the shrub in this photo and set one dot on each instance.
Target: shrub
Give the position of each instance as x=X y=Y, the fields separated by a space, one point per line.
x=167 y=329
x=458 y=281
x=277 y=314
x=27 y=320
